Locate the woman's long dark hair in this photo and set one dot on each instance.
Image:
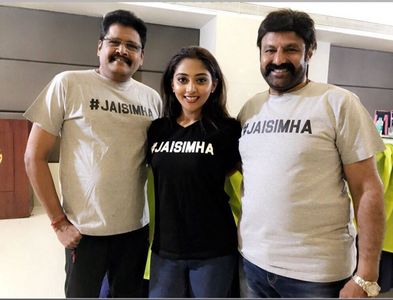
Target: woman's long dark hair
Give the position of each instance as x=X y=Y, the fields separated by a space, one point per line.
x=215 y=106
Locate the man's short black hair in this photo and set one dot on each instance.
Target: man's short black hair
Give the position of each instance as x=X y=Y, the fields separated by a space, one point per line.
x=125 y=18
x=289 y=20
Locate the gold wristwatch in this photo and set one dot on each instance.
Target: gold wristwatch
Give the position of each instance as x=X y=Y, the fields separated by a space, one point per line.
x=370 y=287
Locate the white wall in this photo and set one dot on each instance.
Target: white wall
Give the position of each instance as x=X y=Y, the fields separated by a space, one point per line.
x=319 y=64
x=31 y=258
x=208 y=36
x=236 y=52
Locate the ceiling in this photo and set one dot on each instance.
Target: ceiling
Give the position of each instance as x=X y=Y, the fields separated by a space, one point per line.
x=372 y=12
x=349 y=24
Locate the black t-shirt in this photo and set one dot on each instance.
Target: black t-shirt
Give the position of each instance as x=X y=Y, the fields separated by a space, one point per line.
x=193 y=218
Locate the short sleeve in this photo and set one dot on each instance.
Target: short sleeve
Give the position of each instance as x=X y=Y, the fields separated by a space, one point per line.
x=48 y=109
x=357 y=138
x=152 y=135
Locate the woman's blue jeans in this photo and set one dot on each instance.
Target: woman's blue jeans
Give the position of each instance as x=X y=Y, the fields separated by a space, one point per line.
x=196 y=278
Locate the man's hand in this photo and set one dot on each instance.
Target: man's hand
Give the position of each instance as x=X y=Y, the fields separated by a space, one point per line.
x=67 y=234
x=352 y=290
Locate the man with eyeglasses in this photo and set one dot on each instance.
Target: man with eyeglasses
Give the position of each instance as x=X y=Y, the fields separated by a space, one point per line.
x=101 y=117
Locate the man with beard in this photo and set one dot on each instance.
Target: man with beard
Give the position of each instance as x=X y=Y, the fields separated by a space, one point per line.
x=302 y=144
x=101 y=117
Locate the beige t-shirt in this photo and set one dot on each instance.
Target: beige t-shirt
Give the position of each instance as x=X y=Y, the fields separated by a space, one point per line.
x=103 y=128
x=296 y=213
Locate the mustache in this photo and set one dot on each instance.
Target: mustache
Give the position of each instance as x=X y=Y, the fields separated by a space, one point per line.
x=286 y=66
x=115 y=56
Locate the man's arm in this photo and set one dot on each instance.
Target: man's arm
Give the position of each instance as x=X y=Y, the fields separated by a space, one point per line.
x=38 y=148
x=367 y=195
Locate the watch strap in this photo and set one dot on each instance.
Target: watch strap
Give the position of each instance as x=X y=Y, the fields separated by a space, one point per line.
x=370 y=287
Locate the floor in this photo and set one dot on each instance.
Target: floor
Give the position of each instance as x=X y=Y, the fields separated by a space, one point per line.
x=32 y=260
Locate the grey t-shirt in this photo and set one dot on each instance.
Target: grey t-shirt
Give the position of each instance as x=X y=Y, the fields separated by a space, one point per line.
x=103 y=128
x=296 y=213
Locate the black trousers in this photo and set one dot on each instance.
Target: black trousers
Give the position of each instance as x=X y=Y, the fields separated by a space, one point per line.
x=122 y=257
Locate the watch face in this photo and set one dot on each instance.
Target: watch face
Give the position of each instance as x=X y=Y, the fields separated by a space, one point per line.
x=373 y=290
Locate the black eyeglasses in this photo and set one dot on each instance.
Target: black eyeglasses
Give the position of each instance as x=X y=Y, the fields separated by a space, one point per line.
x=130 y=46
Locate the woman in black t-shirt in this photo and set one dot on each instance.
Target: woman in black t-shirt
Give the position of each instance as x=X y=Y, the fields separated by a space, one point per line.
x=191 y=151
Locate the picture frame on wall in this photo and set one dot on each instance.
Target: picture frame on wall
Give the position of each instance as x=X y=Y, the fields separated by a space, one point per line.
x=386 y=117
